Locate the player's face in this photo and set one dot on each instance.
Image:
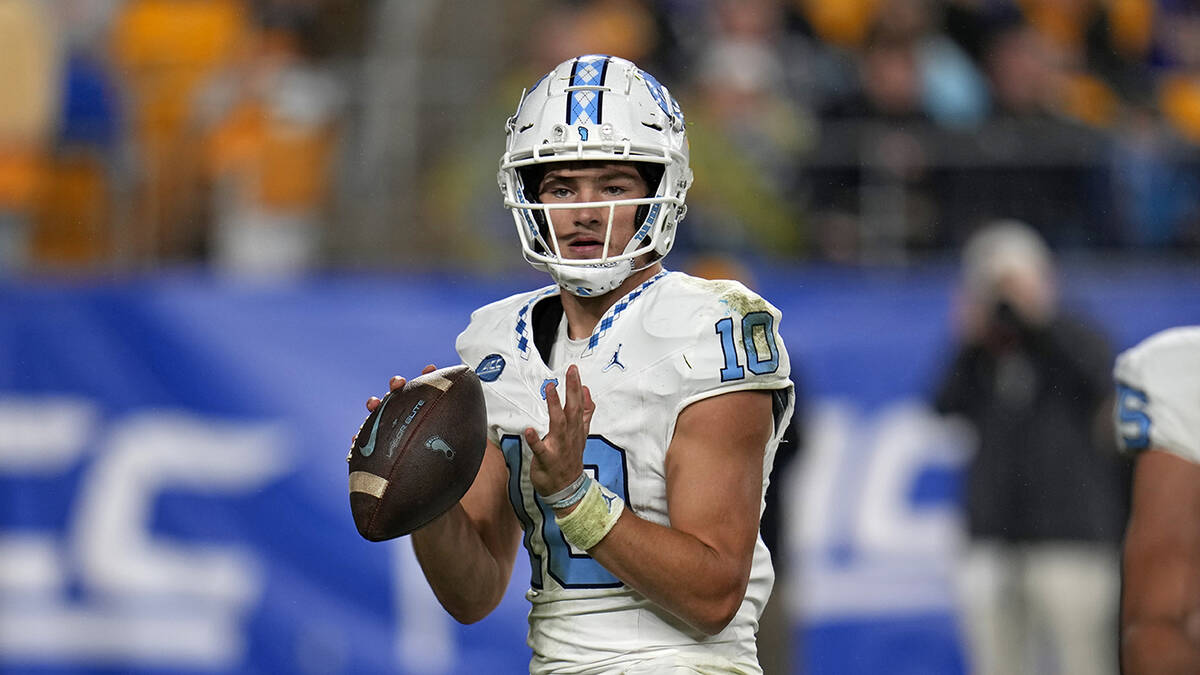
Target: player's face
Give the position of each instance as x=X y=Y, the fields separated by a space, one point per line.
x=581 y=231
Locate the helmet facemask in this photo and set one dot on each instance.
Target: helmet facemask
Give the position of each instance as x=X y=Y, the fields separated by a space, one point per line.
x=646 y=128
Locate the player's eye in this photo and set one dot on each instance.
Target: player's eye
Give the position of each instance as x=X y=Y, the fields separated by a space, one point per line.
x=556 y=192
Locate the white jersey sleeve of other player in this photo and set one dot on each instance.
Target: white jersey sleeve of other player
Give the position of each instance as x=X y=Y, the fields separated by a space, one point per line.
x=671 y=342
x=1158 y=394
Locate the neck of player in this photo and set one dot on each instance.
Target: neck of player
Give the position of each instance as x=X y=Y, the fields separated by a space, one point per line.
x=584 y=313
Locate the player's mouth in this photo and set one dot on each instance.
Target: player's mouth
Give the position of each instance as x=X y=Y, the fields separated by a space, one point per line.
x=585 y=247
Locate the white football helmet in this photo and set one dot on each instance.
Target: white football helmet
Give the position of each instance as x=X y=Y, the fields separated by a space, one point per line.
x=590 y=108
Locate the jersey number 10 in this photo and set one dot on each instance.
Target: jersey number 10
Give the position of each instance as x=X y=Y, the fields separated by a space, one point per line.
x=758 y=336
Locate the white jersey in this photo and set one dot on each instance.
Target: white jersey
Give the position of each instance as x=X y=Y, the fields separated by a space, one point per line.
x=671 y=342
x=1158 y=389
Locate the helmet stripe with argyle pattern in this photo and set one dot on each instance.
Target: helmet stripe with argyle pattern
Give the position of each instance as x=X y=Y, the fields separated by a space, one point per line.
x=597 y=108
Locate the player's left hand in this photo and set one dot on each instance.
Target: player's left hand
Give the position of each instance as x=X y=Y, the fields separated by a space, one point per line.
x=397 y=382
x=558 y=456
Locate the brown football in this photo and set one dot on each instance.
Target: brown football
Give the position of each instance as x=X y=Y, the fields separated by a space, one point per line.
x=415 y=456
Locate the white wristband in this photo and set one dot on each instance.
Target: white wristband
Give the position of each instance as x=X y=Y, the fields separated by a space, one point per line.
x=593 y=518
x=573 y=492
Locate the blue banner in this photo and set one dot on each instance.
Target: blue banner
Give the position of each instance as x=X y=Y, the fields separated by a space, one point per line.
x=173 y=489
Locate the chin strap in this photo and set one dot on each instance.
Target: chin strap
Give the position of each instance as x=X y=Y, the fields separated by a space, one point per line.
x=592 y=280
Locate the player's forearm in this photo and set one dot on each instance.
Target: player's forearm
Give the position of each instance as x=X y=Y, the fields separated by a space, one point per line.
x=464 y=575
x=1158 y=648
x=676 y=570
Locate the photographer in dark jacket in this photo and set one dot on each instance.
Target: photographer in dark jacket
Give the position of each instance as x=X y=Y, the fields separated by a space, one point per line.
x=1044 y=493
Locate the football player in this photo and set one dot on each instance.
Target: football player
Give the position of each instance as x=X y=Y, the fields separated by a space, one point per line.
x=633 y=413
x=1158 y=416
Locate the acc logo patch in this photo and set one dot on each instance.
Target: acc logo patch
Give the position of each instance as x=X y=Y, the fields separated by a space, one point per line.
x=490 y=367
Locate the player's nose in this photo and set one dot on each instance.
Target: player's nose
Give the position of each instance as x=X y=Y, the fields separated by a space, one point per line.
x=589 y=216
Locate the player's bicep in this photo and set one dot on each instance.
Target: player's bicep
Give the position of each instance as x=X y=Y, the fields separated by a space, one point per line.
x=715 y=470
x=486 y=504
x=1162 y=546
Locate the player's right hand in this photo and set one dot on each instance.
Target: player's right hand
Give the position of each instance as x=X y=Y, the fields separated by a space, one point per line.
x=558 y=456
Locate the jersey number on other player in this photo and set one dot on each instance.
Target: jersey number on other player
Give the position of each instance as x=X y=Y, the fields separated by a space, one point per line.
x=1134 y=423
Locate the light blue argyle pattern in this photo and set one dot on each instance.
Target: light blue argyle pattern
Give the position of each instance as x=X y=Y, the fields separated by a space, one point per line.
x=584 y=105
x=614 y=312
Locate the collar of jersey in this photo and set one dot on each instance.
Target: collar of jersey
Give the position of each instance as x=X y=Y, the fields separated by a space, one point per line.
x=615 y=311
x=522 y=327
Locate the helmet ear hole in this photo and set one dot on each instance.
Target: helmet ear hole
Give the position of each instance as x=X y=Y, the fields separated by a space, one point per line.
x=652 y=174
x=531 y=177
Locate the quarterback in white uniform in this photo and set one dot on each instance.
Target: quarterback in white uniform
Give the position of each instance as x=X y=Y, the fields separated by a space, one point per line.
x=1158 y=416
x=633 y=413
x=669 y=347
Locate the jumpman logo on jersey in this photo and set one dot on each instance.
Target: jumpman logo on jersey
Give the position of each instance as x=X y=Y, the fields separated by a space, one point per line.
x=615 y=361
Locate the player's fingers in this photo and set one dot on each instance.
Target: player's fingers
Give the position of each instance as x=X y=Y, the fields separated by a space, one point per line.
x=535 y=443
x=428 y=369
x=552 y=400
x=589 y=408
x=372 y=403
x=397 y=382
x=574 y=402
x=554 y=407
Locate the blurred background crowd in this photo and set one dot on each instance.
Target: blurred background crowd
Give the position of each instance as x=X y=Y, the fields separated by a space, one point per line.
x=283 y=136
